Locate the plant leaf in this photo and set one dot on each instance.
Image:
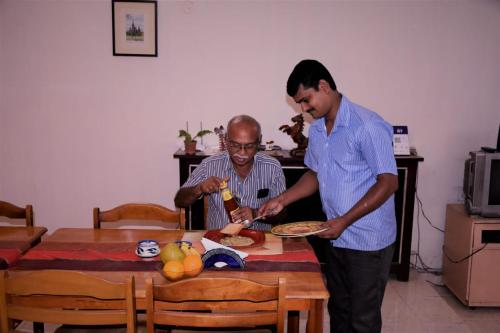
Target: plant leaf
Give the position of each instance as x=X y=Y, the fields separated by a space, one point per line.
x=202 y=133
x=185 y=134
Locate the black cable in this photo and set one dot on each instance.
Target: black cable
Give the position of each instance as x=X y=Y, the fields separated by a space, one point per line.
x=418 y=258
x=435 y=284
x=423 y=213
x=424 y=267
x=466 y=257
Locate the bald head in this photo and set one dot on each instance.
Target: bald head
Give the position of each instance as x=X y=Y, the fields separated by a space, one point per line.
x=244 y=122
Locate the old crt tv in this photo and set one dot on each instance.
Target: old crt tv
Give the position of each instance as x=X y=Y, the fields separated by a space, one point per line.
x=482 y=183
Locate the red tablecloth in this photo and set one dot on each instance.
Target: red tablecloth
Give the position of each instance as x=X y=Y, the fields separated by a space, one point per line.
x=297 y=256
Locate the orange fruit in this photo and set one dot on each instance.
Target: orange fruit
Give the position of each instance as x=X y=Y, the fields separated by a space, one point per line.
x=174 y=270
x=193 y=265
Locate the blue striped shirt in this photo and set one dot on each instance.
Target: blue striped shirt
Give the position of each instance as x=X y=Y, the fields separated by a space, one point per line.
x=266 y=176
x=347 y=163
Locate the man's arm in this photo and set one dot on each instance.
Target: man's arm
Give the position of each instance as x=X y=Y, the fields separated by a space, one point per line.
x=307 y=185
x=186 y=196
x=385 y=186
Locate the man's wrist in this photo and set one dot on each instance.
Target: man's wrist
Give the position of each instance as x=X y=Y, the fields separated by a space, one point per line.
x=282 y=199
x=198 y=192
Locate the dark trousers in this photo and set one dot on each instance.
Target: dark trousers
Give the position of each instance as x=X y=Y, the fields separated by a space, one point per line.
x=356 y=281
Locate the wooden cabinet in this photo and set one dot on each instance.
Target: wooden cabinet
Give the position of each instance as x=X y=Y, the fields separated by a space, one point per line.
x=310 y=208
x=471 y=254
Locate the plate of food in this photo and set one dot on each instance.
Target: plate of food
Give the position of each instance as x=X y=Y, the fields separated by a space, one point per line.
x=298 y=229
x=245 y=239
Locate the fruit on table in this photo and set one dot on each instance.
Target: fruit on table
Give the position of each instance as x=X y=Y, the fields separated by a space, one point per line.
x=193 y=265
x=171 y=252
x=185 y=248
x=180 y=260
x=173 y=270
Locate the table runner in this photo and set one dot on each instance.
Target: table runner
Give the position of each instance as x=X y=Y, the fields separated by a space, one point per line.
x=297 y=256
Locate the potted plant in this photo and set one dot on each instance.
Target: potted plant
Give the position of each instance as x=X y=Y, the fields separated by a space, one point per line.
x=189 y=140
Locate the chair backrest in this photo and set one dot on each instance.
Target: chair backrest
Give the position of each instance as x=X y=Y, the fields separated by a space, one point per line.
x=66 y=297
x=215 y=303
x=13 y=212
x=205 y=211
x=140 y=212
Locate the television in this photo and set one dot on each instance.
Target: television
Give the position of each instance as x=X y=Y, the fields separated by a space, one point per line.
x=482 y=183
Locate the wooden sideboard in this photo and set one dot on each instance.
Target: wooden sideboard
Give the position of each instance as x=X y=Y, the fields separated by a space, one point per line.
x=310 y=208
x=470 y=257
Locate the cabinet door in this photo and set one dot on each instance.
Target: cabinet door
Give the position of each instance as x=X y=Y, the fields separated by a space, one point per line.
x=485 y=268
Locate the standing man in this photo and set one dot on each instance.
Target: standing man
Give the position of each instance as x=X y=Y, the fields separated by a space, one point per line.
x=352 y=163
x=252 y=177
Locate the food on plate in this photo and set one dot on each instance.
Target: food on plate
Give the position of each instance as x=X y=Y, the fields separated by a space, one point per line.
x=298 y=228
x=232 y=228
x=245 y=239
x=237 y=241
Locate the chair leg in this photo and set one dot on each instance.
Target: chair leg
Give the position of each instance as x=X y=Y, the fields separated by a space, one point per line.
x=38 y=327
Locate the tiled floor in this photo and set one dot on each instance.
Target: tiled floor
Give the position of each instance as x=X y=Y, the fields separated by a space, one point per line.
x=418 y=306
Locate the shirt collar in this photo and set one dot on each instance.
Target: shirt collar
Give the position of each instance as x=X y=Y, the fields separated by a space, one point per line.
x=341 y=120
x=343 y=115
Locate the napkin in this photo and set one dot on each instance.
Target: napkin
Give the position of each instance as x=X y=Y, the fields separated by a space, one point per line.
x=210 y=245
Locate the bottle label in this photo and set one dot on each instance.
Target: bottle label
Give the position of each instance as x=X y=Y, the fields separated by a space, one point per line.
x=226 y=195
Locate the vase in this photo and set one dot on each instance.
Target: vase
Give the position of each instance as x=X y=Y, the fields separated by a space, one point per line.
x=189 y=147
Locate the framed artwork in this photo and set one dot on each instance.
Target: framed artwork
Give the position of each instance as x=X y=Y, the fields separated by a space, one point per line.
x=135 y=28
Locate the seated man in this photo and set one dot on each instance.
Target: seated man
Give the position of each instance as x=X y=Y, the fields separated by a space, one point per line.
x=252 y=177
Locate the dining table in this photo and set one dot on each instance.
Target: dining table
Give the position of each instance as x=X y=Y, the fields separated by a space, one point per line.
x=14 y=241
x=110 y=254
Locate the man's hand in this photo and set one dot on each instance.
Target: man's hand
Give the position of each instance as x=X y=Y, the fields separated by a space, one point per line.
x=211 y=185
x=242 y=214
x=186 y=196
x=271 y=207
x=335 y=228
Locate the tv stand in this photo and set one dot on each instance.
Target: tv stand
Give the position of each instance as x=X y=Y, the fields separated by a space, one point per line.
x=471 y=256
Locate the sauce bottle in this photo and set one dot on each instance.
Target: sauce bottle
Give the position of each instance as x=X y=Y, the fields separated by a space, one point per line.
x=230 y=203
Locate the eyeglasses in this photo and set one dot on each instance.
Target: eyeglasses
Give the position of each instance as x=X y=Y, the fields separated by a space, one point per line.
x=235 y=146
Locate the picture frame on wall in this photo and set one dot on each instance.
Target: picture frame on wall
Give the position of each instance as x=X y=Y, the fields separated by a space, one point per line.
x=135 y=28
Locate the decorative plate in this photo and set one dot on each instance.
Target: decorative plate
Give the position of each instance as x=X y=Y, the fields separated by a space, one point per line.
x=240 y=241
x=298 y=229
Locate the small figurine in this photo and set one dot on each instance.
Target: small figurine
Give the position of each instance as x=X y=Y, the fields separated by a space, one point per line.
x=221 y=133
x=296 y=133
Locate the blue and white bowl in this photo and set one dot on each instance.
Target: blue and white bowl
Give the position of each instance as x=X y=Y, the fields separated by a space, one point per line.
x=147 y=248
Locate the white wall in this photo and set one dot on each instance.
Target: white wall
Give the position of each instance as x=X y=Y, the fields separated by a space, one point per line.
x=80 y=127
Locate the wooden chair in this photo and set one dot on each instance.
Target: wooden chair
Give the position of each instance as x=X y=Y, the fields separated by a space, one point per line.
x=140 y=211
x=66 y=297
x=13 y=212
x=205 y=211
x=215 y=303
